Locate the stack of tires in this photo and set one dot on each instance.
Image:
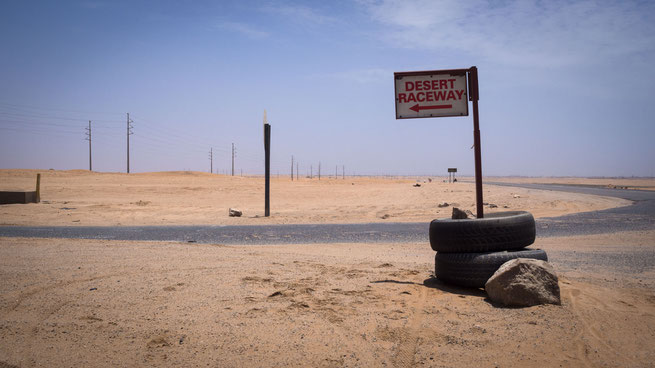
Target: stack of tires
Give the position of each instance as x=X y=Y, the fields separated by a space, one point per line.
x=469 y=251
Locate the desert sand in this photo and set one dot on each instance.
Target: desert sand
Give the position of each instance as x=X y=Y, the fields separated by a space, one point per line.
x=70 y=303
x=71 y=198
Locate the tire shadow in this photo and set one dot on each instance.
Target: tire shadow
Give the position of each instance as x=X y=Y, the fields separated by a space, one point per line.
x=434 y=283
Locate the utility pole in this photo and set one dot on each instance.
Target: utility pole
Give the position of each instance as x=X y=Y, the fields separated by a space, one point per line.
x=297 y=172
x=319 y=170
x=311 y=171
x=88 y=138
x=343 y=172
x=336 y=171
x=211 y=160
x=233 y=154
x=292 y=168
x=129 y=133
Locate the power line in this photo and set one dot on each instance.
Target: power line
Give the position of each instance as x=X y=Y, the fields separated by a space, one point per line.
x=32 y=107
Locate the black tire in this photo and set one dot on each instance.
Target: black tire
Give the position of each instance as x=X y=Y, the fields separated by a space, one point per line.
x=474 y=269
x=495 y=232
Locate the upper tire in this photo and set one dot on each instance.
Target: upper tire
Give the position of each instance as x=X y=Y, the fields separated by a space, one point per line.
x=474 y=269
x=495 y=232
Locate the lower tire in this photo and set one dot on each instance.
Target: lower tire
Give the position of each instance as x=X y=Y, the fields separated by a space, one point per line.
x=474 y=269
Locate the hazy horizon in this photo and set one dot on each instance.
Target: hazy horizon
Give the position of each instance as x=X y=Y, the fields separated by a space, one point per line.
x=564 y=86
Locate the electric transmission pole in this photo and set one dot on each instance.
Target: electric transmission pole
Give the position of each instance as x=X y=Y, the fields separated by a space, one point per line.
x=297 y=172
x=319 y=170
x=343 y=172
x=211 y=160
x=129 y=133
x=88 y=138
x=292 y=168
x=233 y=154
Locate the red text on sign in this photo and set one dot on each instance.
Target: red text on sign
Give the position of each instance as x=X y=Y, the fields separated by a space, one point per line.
x=431 y=96
x=429 y=85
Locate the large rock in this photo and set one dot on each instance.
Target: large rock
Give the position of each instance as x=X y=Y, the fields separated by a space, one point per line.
x=235 y=213
x=459 y=214
x=524 y=282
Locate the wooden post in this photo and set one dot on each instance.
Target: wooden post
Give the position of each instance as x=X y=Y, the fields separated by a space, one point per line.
x=38 y=188
x=267 y=169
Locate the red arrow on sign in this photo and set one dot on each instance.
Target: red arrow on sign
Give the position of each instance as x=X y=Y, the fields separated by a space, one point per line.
x=417 y=108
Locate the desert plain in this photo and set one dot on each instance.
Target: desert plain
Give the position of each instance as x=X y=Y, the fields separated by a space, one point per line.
x=81 y=302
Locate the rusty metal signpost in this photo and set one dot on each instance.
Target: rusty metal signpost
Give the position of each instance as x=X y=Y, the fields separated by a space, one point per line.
x=442 y=93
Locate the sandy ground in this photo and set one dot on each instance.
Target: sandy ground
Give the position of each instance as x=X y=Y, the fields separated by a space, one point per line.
x=71 y=198
x=72 y=303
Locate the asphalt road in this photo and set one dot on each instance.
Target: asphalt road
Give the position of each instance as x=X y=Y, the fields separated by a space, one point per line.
x=639 y=216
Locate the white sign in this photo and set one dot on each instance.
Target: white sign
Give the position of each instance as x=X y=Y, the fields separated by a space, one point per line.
x=430 y=94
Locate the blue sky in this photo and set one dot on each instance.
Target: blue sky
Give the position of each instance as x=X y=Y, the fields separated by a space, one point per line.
x=565 y=87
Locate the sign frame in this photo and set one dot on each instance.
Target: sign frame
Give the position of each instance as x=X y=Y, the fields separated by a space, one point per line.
x=473 y=93
x=452 y=72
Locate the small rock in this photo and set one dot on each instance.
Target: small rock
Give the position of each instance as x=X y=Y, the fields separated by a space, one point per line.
x=443 y=204
x=459 y=214
x=505 y=206
x=385 y=216
x=235 y=213
x=524 y=282
x=491 y=205
x=470 y=214
x=517 y=196
x=417 y=185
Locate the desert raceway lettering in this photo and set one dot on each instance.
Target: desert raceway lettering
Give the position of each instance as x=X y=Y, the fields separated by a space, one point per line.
x=434 y=90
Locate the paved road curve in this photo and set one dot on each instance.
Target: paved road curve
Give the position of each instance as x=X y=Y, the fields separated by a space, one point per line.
x=639 y=216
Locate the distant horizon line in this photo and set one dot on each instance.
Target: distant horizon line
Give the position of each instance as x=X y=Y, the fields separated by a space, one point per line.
x=464 y=175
